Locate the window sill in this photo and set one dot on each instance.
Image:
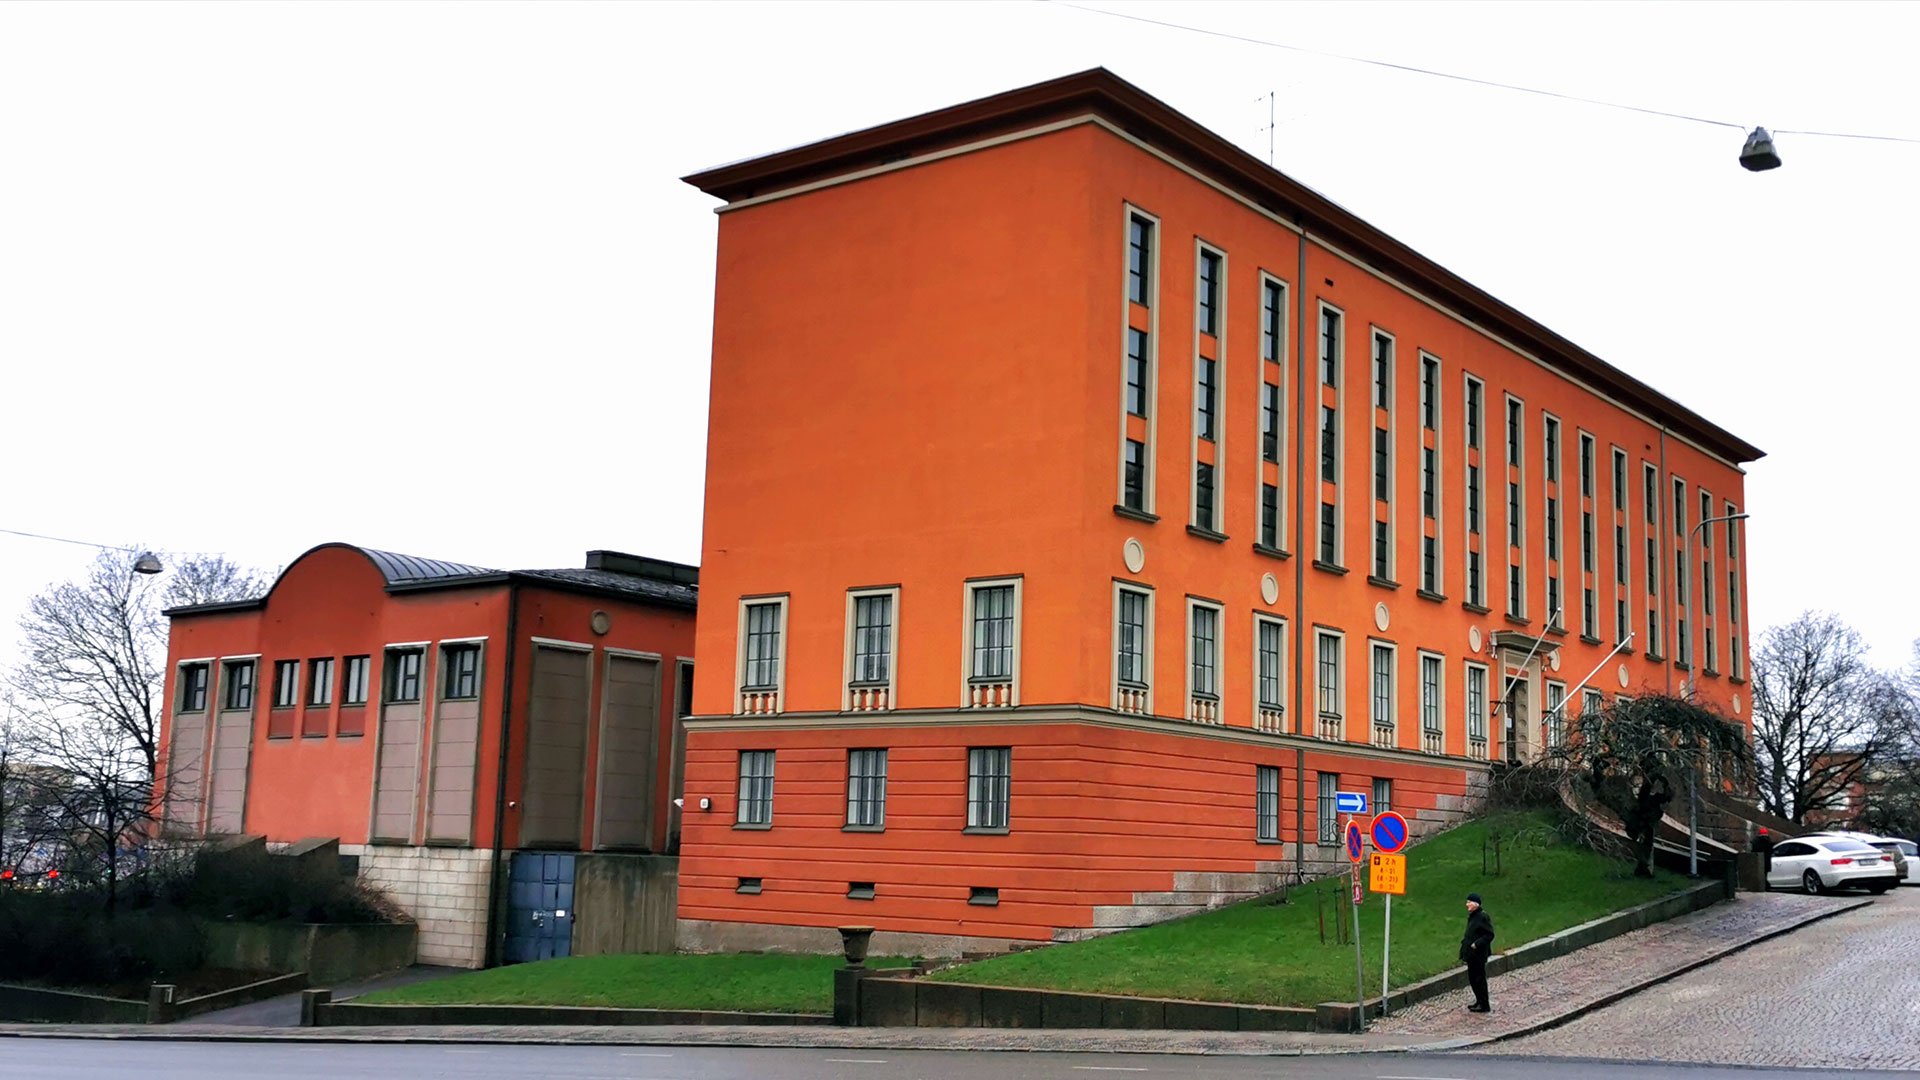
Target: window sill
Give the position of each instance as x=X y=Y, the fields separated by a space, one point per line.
x=1654 y=657
x=748 y=826
x=1384 y=583
x=1557 y=631
x=1736 y=680
x=1475 y=608
x=1589 y=639
x=1331 y=568
x=1709 y=673
x=1137 y=515
x=1433 y=596
x=978 y=830
x=1206 y=534
x=1518 y=620
x=753 y=890
x=863 y=828
x=1270 y=552
x=1269 y=842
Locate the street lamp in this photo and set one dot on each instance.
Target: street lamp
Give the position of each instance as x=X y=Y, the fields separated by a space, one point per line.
x=1693 y=793
x=146 y=563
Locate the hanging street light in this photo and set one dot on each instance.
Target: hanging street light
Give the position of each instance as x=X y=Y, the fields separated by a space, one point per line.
x=1758 y=155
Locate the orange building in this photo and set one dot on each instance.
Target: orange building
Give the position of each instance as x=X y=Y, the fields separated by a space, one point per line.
x=1087 y=502
x=462 y=732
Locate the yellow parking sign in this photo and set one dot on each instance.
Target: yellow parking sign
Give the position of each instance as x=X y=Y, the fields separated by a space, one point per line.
x=1387 y=874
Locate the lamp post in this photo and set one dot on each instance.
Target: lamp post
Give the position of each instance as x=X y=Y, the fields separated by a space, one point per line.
x=146 y=563
x=1693 y=657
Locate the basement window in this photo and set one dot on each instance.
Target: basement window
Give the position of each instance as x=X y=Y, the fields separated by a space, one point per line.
x=983 y=897
x=859 y=890
x=749 y=886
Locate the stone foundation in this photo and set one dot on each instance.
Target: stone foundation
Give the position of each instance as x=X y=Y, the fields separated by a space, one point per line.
x=712 y=936
x=444 y=889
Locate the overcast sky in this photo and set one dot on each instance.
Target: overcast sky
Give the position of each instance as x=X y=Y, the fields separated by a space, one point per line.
x=423 y=277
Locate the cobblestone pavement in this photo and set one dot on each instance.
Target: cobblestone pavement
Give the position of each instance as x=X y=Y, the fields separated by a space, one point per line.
x=1546 y=991
x=1841 y=993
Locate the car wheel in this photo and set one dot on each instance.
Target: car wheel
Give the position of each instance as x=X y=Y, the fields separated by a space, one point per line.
x=1879 y=888
x=1811 y=882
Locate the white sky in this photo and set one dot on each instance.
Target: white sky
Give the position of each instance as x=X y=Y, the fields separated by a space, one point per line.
x=422 y=276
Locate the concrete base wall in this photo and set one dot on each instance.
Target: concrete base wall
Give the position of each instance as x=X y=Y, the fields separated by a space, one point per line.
x=702 y=935
x=444 y=889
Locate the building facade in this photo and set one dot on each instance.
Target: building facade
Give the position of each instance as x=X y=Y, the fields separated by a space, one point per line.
x=437 y=719
x=1087 y=502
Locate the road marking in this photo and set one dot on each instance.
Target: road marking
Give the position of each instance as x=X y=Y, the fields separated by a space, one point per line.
x=1108 y=1068
x=857 y=1061
x=638 y=1054
x=452 y=1051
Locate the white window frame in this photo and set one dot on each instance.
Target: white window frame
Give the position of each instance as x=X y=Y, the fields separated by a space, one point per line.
x=891 y=684
x=1548 y=707
x=740 y=801
x=1269 y=813
x=876 y=786
x=1485 y=711
x=1336 y=693
x=1001 y=799
x=1339 y=552
x=1515 y=474
x=1145 y=689
x=1217 y=518
x=779 y=688
x=1439 y=662
x=1473 y=584
x=967 y=679
x=1279 y=708
x=1198 y=699
x=1375 y=336
x=1392 y=719
x=1147 y=472
x=1280 y=416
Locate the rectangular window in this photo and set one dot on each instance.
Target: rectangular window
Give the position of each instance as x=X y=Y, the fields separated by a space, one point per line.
x=1205 y=394
x=1653 y=634
x=873 y=638
x=1204 y=648
x=1130 y=644
x=353 y=686
x=1514 y=422
x=1733 y=597
x=1653 y=568
x=1383 y=686
x=1681 y=642
x=1591 y=703
x=1266 y=803
x=320 y=682
x=1429 y=482
x=1430 y=564
x=1329 y=346
x=1381 y=547
x=237 y=677
x=1136 y=372
x=1550 y=438
x=1324 y=815
x=1269 y=422
x=1327 y=685
x=1382 y=371
x=1553 y=529
x=1139 y=260
x=1430 y=704
x=866 y=789
x=1133 y=493
x=755 y=797
x=1475 y=415
x=989 y=777
x=1473 y=499
x=1273 y=321
x=1588 y=558
x=1651 y=485
x=1329 y=445
x=1476 y=590
x=1556 y=716
x=762 y=646
x=992 y=649
x=462 y=677
x=193 y=687
x=1429 y=393
x=1270 y=644
x=1203 y=495
x=1733 y=533
x=1556 y=618
x=1269 y=516
x=1209 y=293
x=1516 y=597
x=1708 y=658
x=286 y=683
x=1589 y=614
x=1620 y=480
x=1513 y=513
x=1382 y=796
x=403 y=675
x=1380 y=464
x=1586 y=466
x=1620 y=554
x=1327 y=553
x=1620 y=622
x=1476 y=703
x=1679 y=507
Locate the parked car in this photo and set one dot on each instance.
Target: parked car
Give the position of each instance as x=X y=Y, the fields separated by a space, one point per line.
x=1888 y=845
x=1821 y=864
x=1911 y=851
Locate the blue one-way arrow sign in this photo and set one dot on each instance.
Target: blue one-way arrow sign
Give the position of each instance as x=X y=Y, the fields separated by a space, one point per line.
x=1349 y=802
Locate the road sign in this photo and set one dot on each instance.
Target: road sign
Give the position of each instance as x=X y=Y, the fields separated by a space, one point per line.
x=1349 y=802
x=1356 y=843
x=1387 y=874
x=1389 y=832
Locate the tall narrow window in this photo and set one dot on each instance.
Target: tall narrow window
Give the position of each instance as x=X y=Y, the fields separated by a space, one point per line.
x=754 y=801
x=993 y=635
x=286 y=683
x=1382 y=796
x=403 y=675
x=193 y=687
x=1205 y=396
x=320 y=682
x=1273 y=321
x=1324 y=815
x=989 y=784
x=1270 y=647
x=1209 y=293
x=1476 y=705
x=1329 y=445
x=1619 y=479
x=461 y=680
x=1430 y=564
x=1269 y=422
x=1475 y=416
x=237 y=676
x=873 y=638
x=1203 y=503
x=1269 y=516
x=353 y=684
x=1429 y=393
x=1139 y=260
x=1429 y=482
x=1136 y=372
x=1514 y=422
x=1328 y=536
x=1556 y=716
x=1327 y=683
x=1432 y=724
x=1382 y=690
x=1476 y=587
x=1586 y=466
x=1382 y=371
x=1474 y=522
x=1550 y=438
x=762 y=652
x=1266 y=803
x=866 y=789
x=1133 y=492
x=1329 y=347
x=1513 y=513
x=1381 y=464
x=1130 y=643
x=1204 y=649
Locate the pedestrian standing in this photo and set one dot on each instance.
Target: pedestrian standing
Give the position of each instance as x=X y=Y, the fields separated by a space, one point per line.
x=1475 y=947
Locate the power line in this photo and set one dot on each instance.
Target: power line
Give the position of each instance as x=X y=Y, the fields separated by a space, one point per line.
x=1463 y=78
x=100 y=547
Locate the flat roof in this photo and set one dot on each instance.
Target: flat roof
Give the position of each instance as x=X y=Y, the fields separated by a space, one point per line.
x=1140 y=114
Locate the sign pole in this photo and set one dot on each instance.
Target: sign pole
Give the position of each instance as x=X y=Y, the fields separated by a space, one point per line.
x=1386 y=955
x=1359 y=962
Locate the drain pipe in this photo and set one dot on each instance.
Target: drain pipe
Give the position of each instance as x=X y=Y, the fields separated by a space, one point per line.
x=492 y=956
x=1299 y=552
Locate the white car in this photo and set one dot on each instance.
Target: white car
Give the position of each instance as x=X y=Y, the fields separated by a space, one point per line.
x=1889 y=846
x=1912 y=852
x=1820 y=864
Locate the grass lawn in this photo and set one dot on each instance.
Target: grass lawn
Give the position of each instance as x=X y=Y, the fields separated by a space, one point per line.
x=738 y=982
x=1272 y=954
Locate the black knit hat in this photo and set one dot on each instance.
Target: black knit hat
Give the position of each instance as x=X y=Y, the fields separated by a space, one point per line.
x=1473 y=898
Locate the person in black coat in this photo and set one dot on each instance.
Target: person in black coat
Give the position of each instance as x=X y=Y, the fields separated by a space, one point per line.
x=1475 y=947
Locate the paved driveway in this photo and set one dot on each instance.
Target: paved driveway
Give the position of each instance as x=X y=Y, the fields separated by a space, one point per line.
x=1840 y=993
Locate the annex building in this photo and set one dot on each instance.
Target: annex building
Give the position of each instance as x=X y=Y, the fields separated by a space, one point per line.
x=1088 y=501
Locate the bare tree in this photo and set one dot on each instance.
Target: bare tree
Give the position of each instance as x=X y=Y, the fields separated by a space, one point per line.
x=1823 y=716
x=212 y=579
x=91 y=778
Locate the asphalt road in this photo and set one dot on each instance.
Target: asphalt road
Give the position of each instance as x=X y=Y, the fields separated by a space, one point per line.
x=113 y=1060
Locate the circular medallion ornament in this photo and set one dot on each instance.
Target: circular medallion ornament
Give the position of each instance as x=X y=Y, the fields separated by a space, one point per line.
x=601 y=622
x=1553 y=661
x=1624 y=676
x=1134 y=554
x=1269 y=588
x=1736 y=704
x=1380 y=617
x=1473 y=639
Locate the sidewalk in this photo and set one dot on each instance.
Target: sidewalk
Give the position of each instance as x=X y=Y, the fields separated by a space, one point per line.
x=1525 y=1001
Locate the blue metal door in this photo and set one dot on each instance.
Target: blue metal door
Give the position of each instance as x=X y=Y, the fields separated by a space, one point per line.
x=539 y=907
